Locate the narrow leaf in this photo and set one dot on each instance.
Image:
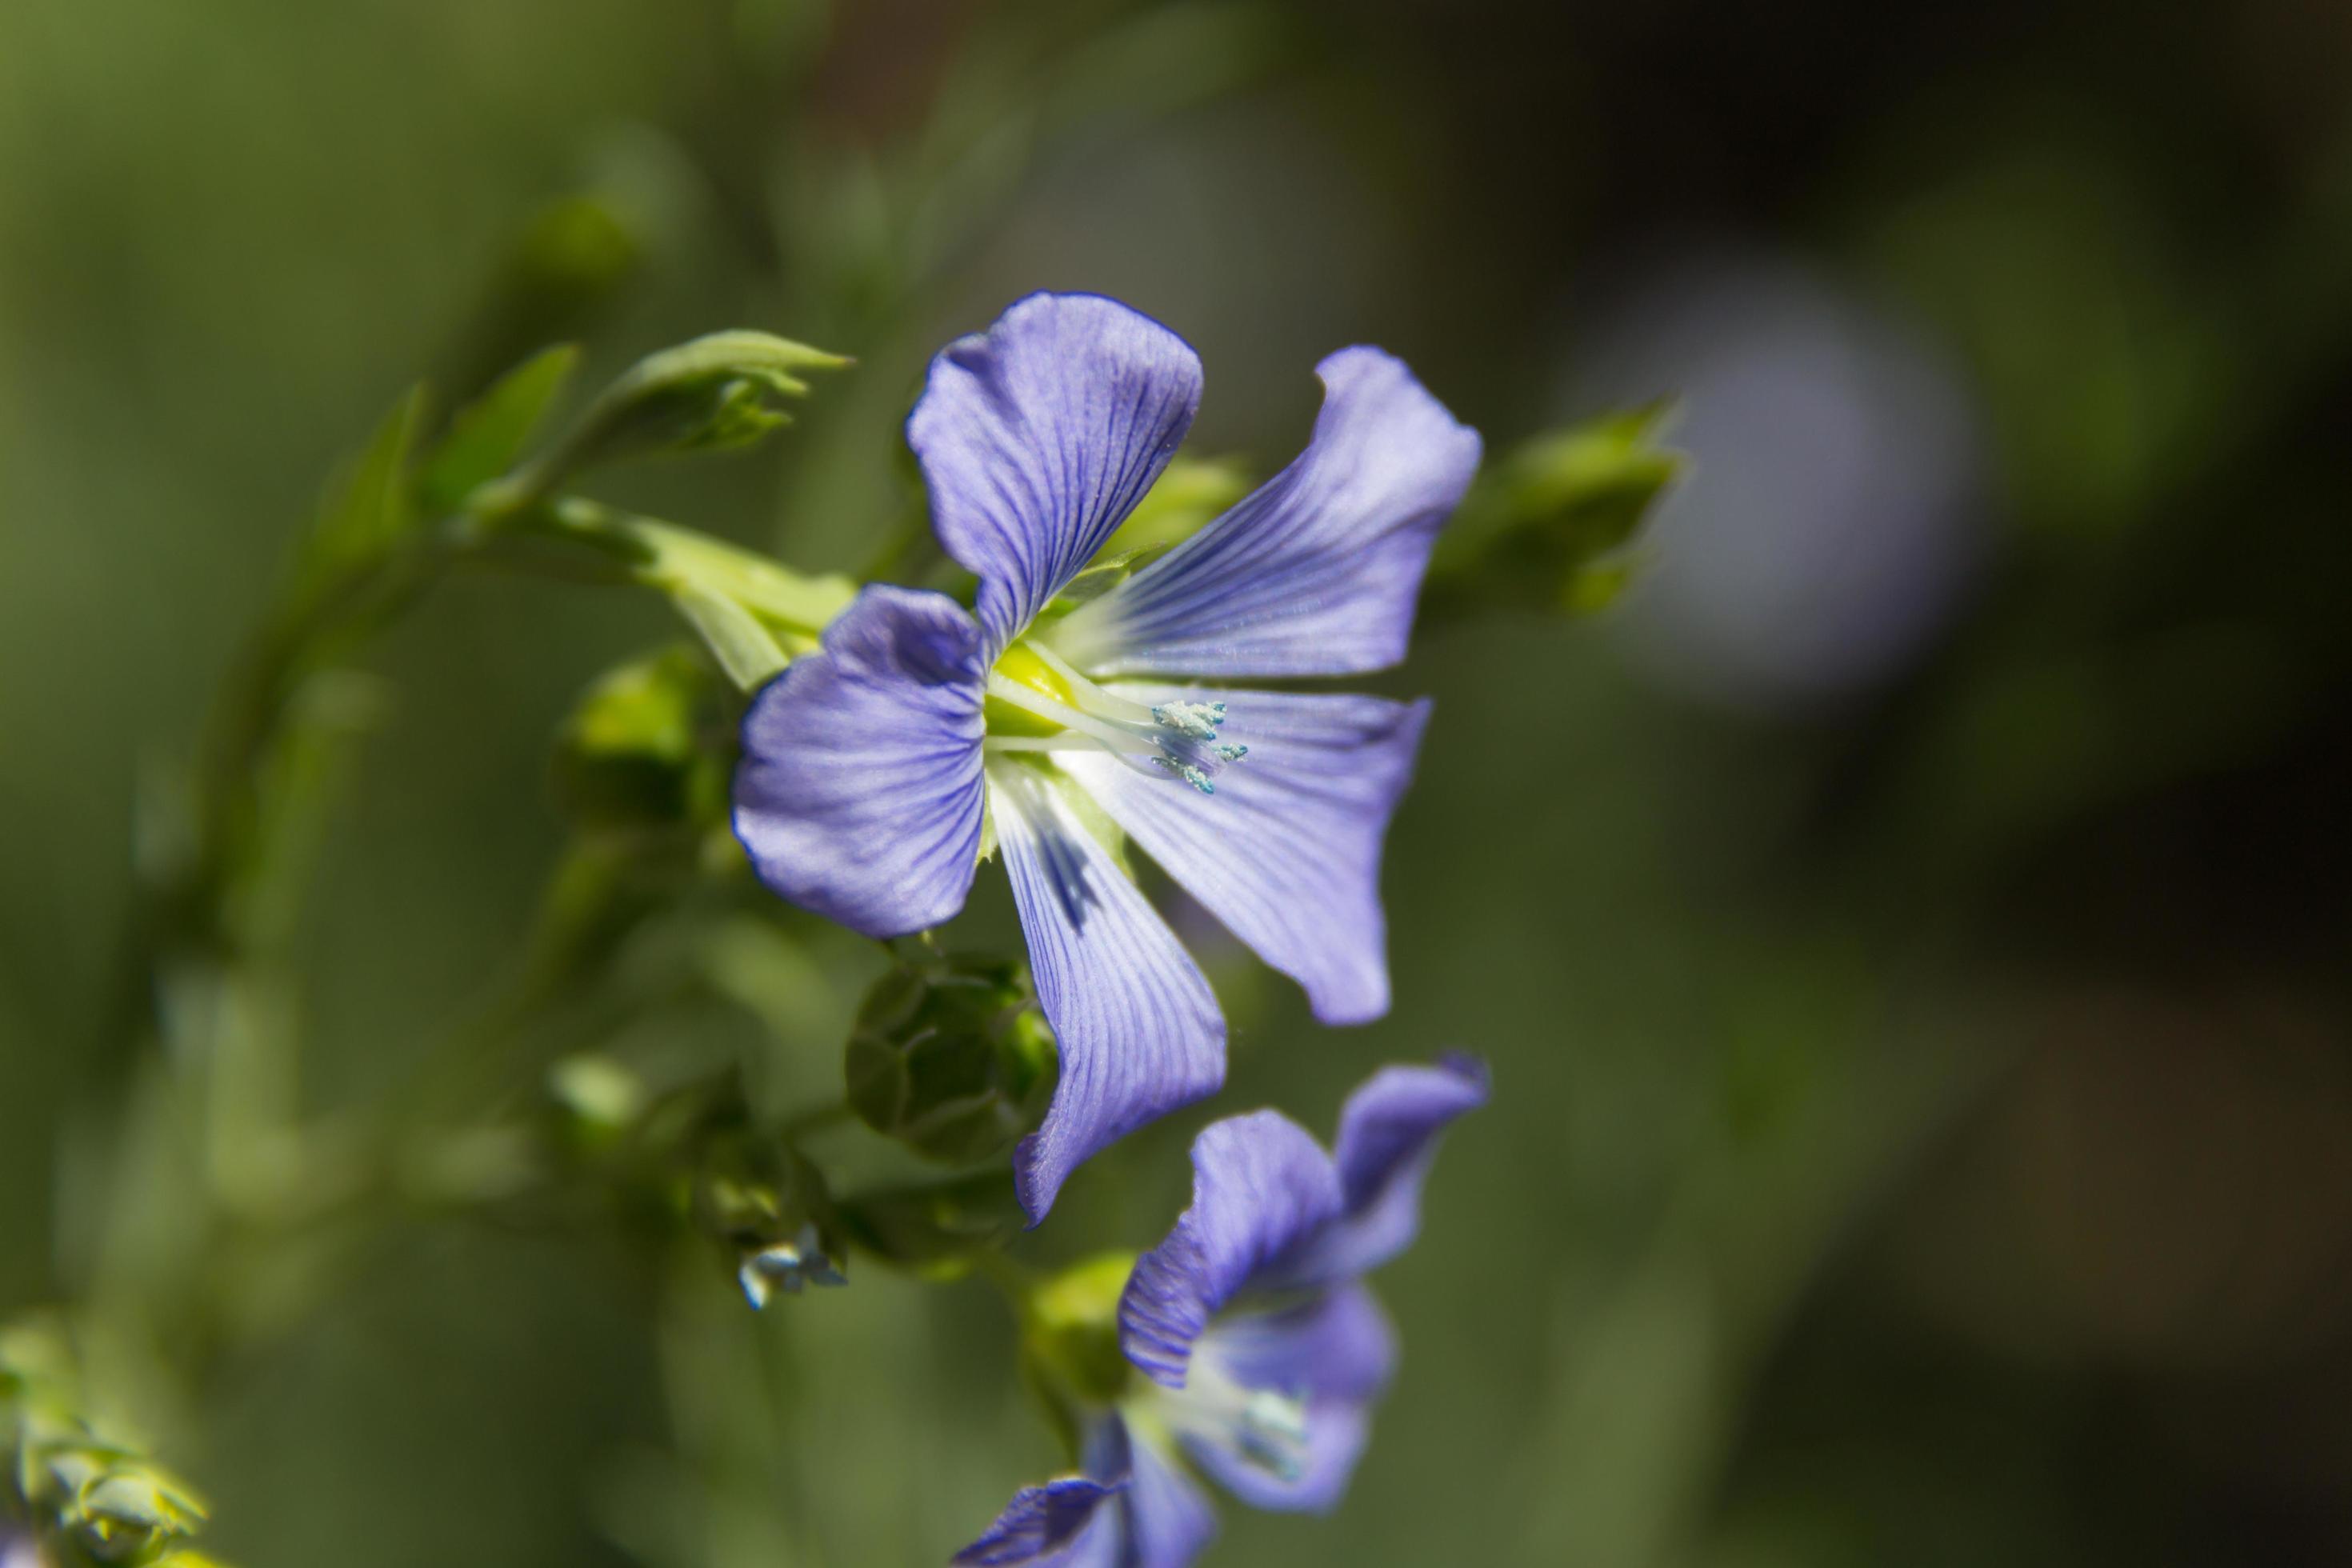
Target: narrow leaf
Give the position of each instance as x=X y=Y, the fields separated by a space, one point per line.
x=487 y=436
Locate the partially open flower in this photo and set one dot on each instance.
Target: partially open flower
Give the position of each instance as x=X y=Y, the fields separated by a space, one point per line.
x=1258 y=1353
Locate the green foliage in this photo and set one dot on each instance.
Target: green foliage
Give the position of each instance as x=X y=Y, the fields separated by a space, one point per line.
x=1190 y=494
x=488 y=436
x=1550 y=527
x=942 y=1228
x=1070 y=1355
x=952 y=1058
x=372 y=508
x=90 y=1496
x=714 y=393
x=648 y=747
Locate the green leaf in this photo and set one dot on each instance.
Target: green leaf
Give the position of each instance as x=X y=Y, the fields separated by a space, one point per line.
x=373 y=507
x=487 y=438
x=1549 y=527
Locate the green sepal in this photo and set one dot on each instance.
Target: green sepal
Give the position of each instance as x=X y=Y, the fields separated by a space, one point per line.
x=743 y=646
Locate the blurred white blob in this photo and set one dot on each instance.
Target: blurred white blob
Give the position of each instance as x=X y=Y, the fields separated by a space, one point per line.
x=16 y=1552
x=1832 y=507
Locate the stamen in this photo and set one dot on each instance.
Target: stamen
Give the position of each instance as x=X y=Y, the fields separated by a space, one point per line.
x=788 y=1266
x=1195 y=720
x=1273 y=1434
x=1179 y=737
x=1117 y=737
x=1267 y=1427
x=1190 y=774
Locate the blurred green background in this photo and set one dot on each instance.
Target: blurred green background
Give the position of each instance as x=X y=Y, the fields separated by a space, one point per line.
x=1910 y=931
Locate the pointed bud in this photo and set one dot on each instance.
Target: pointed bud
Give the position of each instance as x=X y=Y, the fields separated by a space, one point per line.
x=710 y=394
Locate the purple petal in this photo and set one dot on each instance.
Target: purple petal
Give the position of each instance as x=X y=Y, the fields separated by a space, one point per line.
x=1336 y=1352
x=1338 y=1344
x=1137 y=1026
x=1388 y=1136
x=859 y=791
x=1063 y=1524
x=1169 y=1520
x=1038 y=436
x=1286 y=852
x=1317 y=571
x=1336 y=1432
x=1262 y=1188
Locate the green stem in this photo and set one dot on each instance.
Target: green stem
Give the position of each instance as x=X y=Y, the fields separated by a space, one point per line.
x=674 y=559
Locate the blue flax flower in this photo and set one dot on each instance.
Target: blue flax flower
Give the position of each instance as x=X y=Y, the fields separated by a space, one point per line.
x=1261 y=1351
x=874 y=769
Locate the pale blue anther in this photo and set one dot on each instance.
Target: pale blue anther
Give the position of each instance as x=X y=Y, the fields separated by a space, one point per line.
x=788 y=1266
x=1273 y=1434
x=1194 y=720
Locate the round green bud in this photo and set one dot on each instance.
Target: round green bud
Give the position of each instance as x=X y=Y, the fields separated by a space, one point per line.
x=952 y=1058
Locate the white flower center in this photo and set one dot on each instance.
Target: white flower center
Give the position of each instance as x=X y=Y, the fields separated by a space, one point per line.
x=1267 y=1427
x=1035 y=683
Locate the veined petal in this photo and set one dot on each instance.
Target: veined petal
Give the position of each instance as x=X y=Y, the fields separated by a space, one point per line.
x=1337 y=1344
x=1136 y=1024
x=1286 y=852
x=1169 y=1520
x=1315 y=573
x=1336 y=1432
x=1069 y=1523
x=1037 y=437
x=859 y=793
x=1262 y=1188
x=1326 y=1359
x=1388 y=1137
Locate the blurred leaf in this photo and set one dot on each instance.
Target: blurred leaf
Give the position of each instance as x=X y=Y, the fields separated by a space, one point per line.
x=2107 y=374
x=1188 y=496
x=488 y=436
x=937 y=1224
x=630 y=753
x=372 y=507
x=1549 y=527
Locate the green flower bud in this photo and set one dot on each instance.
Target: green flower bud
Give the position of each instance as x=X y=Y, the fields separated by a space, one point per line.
x=601 y=1100
x=952 y=1058
x=127 y=1510
x=642 y=750
x=1070 y=1355
x=709 y=395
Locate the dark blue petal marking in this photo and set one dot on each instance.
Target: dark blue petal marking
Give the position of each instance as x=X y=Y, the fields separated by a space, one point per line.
x=1137 y=1029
